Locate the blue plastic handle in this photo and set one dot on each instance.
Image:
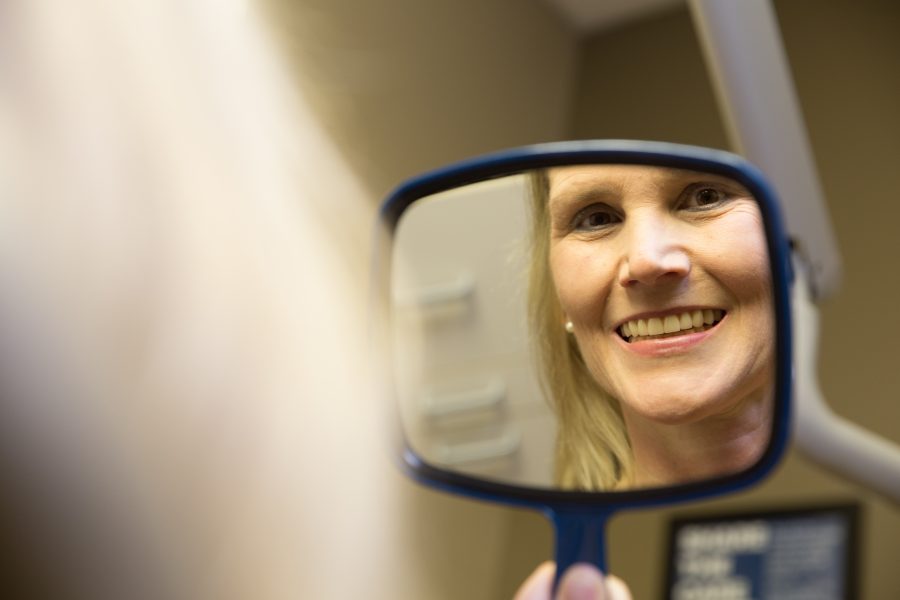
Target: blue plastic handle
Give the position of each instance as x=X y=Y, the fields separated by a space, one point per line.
x=580 y=538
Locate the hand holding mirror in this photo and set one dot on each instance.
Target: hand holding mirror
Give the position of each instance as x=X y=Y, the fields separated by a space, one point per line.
x=587 y=326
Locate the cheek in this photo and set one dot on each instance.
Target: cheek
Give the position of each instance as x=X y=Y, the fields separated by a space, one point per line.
x=582 y=279
x=738 y=256
x=745 y=272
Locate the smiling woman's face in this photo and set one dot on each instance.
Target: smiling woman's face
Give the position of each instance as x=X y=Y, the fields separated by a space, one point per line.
x=664 y=275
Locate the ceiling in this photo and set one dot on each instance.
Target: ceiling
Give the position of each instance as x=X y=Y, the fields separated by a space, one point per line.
x=589 y=16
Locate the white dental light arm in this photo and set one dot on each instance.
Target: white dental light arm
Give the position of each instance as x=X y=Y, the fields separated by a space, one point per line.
x=836 y=443
x=747 y=62
x=755 y=91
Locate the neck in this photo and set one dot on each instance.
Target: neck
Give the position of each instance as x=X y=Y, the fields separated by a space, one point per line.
x=669 y=454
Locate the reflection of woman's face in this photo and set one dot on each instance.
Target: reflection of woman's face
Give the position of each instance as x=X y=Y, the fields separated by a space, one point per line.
x=665 y=277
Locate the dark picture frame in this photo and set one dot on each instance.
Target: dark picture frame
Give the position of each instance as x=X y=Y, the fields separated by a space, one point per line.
x=776 y=553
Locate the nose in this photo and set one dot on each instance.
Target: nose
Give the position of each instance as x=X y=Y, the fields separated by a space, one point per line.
x=655 y=254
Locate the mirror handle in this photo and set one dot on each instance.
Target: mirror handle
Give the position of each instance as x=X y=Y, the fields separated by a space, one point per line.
x=580 y=538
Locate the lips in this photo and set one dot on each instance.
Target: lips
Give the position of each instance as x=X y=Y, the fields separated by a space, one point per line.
x=683 y=323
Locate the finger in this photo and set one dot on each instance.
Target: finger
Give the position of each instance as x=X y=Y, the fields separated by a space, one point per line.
x=539 y=585
x=616 y=588
x=582 y=582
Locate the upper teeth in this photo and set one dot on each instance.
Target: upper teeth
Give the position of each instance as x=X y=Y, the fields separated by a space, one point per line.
x=671 y=323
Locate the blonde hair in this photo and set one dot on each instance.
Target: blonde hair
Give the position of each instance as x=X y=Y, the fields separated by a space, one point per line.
x=592 y=447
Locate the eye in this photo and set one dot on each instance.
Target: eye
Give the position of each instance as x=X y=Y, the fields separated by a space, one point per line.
x=594 y=217
x=701 y=196
x=707 y=196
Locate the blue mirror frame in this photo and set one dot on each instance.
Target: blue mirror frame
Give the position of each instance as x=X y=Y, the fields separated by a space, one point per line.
x=579 y=517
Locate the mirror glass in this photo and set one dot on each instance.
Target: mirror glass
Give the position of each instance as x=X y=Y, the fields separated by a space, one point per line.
x=589 y=327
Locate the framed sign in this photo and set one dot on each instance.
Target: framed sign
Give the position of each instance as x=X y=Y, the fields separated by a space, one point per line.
x=797 y=554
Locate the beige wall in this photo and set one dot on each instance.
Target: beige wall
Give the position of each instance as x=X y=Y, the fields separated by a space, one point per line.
x=406 y=85
x=646 y=81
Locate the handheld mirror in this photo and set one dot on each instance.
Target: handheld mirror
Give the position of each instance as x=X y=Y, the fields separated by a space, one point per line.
x=583 y=327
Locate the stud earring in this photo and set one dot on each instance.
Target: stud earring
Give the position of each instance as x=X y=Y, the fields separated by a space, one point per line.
x=569 y=327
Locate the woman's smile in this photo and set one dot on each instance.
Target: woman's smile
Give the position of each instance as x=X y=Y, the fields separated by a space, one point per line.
x=672 y=324
x=668 y=335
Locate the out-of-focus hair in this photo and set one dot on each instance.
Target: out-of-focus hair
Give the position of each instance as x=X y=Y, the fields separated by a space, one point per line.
x=592 y=448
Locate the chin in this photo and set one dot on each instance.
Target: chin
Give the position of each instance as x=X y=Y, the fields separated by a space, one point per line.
x=678 y=410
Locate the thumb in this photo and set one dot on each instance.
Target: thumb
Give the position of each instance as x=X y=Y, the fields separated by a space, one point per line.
x=585 y=582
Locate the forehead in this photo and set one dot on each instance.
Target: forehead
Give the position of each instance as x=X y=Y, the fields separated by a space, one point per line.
x=617 y=178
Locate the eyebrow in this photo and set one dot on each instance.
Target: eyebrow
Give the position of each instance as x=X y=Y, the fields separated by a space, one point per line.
x=594 y=192
x=671 y=180
x=679 y=176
